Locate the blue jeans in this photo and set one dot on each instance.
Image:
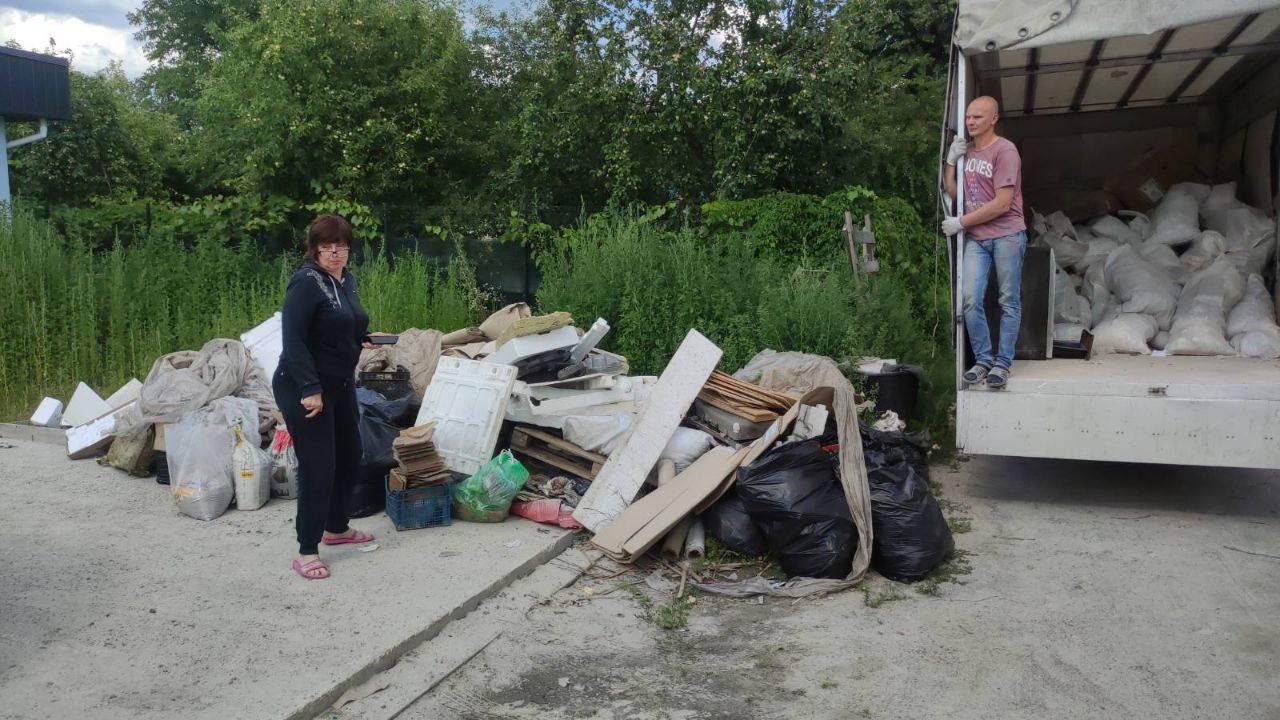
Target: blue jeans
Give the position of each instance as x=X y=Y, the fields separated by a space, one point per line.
x=979 y=255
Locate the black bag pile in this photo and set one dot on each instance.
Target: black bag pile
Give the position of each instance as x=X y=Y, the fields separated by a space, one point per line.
x=910 y=534
x=790 y=503
x=380 y=422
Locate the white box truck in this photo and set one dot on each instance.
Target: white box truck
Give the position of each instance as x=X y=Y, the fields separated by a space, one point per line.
x=1087 y=88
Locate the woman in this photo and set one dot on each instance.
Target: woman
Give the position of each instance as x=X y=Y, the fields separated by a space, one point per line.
x=322 y=328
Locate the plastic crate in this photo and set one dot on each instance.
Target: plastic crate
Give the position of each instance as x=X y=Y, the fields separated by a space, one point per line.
x=419 y=507
x=391 y=385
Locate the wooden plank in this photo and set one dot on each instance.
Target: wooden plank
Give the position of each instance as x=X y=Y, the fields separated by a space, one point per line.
x=746 y=413
x=626 y=470
x=651 y=517
x=560 y=444
x=587 y=472
x=640 y=514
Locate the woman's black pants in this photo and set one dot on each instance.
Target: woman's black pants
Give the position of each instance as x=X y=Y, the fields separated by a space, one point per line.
x=328 y=448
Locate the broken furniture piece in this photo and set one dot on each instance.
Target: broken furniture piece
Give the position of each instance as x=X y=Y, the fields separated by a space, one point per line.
x=556 y=452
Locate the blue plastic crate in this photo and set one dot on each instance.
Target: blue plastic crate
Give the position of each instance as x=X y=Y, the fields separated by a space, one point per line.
x=419 y=507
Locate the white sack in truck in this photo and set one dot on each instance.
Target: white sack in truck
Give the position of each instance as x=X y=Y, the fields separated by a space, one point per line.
x=1199 y=326
x=1124 y=333
x=1113 y=228
x=1257 y=344
x=1254 y=312
x=1163 y=257
x=1068 y=307
x=1176 y=220
x=1254 y=260
x=1094 y=289
x=1141 y=287
x=1204 y=250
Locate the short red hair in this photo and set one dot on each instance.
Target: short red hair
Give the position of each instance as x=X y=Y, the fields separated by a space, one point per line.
x=328 y=230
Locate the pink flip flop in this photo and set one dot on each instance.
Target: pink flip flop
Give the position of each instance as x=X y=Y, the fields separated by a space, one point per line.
x=311 y=567
x=356 y=539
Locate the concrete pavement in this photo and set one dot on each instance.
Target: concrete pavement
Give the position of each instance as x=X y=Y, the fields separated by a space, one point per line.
x=116 y=606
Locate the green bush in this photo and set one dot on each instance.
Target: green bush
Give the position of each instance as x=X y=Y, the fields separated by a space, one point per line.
x=654 y=284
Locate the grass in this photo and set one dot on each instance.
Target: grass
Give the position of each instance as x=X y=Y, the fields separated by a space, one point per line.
x=950 y=571
x=668 y=616
x=104 y=316
x=874 y=598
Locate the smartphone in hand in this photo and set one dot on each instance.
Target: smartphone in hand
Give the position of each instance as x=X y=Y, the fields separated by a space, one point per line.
x=381 y=339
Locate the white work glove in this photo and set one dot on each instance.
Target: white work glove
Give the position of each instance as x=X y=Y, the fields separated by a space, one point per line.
x=957 y=150
x=951 y=226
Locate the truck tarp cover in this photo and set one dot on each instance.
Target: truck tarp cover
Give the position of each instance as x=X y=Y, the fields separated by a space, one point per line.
x=986 y=25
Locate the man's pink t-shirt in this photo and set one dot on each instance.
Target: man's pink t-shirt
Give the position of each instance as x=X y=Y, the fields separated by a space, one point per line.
x=995 y=166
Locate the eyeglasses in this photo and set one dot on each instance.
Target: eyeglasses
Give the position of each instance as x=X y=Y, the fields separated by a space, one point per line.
x=338 y=251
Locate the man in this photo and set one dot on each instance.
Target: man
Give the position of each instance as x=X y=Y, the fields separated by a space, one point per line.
x=995 y=235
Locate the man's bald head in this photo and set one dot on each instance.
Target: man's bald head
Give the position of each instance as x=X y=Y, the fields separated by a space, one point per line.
x=980 y=118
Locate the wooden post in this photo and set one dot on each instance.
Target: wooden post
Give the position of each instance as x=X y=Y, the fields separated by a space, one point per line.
x=852 y=243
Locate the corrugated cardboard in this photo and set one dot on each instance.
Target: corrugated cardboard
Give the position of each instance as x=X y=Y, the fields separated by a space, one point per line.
x=1144 y=184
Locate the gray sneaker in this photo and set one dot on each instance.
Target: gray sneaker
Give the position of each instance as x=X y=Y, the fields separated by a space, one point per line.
x=976 y=374
x=998 y=378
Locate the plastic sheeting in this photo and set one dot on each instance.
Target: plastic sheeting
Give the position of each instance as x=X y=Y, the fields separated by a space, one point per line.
x=188 y=380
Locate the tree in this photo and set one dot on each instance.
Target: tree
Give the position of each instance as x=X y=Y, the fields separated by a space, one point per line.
x=182 y=38
x=370 y=100
x=113 y=147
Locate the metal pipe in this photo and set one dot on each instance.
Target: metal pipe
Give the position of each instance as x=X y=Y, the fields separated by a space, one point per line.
x=962 y=342
x=40 y=134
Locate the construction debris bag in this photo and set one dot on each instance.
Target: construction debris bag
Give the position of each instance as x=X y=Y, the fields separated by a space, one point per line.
x=381 y=421
x=1113 y=228
x=1124 y=333
x=1141 y=287
x=1176 y=220
x=1204 y=250
x=198 y=449
x=685 y=446
x=1163 y=257
x=910 y=535
x=133 y=451
x=727 y=521
x=489 y=492
x=284 y=465
x=251 y=468
x=1068 y=306
x=1254 y=312
x=1258 y=344
x=1199 y=327
x=793 y=493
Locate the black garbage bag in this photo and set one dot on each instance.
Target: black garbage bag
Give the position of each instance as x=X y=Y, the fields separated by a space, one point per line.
x=380 y=422
x=727 y=521
x=793 y=493
x=911 y=536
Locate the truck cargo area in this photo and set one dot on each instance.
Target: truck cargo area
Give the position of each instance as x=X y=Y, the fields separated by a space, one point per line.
x=1082 y=114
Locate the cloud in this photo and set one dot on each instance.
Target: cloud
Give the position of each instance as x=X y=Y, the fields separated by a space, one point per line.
x=109 y=13
x=93 y=45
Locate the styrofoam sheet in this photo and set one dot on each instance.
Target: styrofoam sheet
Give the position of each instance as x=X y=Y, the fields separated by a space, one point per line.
x=530 y=345
x=467 y=400
x=125 y=395
x=265 y=343
x=85 y=405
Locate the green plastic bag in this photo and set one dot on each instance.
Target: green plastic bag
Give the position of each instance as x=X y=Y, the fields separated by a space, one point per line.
x=486 y=496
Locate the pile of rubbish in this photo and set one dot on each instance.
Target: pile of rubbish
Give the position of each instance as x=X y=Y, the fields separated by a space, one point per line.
x=526 y=415
x=1186 y=279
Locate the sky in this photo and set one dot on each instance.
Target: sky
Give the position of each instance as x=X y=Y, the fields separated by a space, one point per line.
x=97 y=31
